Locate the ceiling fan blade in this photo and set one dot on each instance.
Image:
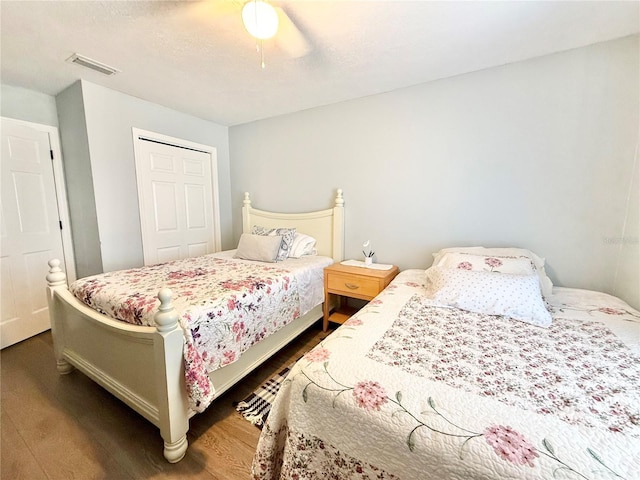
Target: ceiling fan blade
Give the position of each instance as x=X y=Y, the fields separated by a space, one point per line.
x=289 y=37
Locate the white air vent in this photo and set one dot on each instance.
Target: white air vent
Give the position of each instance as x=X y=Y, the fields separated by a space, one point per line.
x=92 y=64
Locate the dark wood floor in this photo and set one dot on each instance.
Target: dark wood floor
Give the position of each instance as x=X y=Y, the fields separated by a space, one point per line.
x=67 y=427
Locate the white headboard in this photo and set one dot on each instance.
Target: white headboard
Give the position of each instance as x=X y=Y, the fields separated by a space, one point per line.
x=326 y=226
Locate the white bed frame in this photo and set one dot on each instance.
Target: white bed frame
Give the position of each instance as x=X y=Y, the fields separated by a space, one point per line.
x=143 y=366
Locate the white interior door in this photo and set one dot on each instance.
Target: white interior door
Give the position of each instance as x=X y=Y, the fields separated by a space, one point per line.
x=178 y=201
x=30 y=231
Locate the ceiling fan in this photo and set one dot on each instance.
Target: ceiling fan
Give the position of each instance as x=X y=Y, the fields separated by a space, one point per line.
x=237 y=19
x=264 y=20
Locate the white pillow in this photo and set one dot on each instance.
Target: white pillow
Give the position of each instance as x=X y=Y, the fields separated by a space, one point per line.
x=263 y=248
x=546 y=285
x=480 y=263
x=514 y=296
x=286 y=234
x=302 y=245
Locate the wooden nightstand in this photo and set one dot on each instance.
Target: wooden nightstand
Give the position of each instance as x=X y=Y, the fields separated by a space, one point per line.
x=352 y=282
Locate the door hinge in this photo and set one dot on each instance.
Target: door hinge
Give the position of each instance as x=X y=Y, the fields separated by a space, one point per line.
x=60 y=222
x=51 y=153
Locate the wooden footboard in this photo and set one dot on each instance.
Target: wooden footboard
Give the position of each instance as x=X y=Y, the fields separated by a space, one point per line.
x=142 y=366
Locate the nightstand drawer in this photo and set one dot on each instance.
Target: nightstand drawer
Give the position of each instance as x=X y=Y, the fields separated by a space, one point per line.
x=347 y=281
x=352 y=284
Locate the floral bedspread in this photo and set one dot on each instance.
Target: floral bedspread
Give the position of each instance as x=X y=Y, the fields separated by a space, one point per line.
x=410 y=390
x=225 y=307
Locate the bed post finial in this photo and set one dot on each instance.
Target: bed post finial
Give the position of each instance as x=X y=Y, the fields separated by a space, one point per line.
x=55 y=276
x=247 y=201
x=339 y=199
x=166 y=317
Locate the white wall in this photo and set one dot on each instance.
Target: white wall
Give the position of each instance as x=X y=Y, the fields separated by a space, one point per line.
x=79 y=181
x=28 y=105
x=627 y=285
x=109 y=116
x=537 y=154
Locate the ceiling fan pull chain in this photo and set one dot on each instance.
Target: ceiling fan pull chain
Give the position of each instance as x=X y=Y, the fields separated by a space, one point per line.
x=261 y=54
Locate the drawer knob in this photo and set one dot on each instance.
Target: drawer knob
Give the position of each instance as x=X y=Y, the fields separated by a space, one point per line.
x=352 y=286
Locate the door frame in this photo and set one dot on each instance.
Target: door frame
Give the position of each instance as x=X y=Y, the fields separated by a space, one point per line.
x=138 y=136
x=61 y=192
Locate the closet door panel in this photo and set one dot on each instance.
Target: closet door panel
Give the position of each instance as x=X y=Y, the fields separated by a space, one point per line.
x=177 y=196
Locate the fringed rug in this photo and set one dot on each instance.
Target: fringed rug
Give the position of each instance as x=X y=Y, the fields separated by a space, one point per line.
x=255 y=408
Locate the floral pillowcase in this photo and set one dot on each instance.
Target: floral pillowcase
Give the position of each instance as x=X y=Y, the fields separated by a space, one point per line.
x=287 y=235
x=514 y=296
x=485 y=263
x=546 y=285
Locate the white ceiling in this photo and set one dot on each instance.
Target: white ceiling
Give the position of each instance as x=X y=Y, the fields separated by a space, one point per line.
x=196 y=57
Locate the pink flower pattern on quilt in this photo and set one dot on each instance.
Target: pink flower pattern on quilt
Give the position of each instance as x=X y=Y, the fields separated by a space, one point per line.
x=510 y=445
x=318 y=354
x=578 y=371
x=316 y=459
x=369 y=395
x=225 y=307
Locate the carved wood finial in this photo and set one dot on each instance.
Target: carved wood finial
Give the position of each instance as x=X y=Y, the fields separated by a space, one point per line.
x=55 y=276
x=339 y=199
x=247 y=201
x=166 y=317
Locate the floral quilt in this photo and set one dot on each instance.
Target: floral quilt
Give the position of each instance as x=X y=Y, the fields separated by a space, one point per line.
x=225 y=307
x=407 y=389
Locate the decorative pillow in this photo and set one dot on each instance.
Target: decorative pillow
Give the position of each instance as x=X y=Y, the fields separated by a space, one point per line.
x=546 y=285
x=287 y=235
x=302 y=245
x=514 y=296
x=481 y=263
x=263 y=248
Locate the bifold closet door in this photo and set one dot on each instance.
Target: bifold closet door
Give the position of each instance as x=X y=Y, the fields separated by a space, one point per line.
x=176 y=196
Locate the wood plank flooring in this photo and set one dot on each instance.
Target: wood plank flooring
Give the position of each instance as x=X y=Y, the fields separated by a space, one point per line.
x=67 y=427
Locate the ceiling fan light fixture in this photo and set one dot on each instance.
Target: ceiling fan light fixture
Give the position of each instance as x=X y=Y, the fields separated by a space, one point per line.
x=260 y=19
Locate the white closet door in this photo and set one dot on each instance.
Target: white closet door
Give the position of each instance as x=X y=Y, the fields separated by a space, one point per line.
x=30 y=231
x=176 y=196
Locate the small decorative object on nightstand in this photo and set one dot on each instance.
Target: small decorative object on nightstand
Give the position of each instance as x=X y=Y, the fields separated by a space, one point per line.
x=352 y=282
x=368 y=253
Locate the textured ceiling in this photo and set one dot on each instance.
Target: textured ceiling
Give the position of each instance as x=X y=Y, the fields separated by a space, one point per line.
x=196 y=57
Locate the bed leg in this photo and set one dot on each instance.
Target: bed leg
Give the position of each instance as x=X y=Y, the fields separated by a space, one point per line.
x=174 y=452
x=64 y=367
x=172 y=394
